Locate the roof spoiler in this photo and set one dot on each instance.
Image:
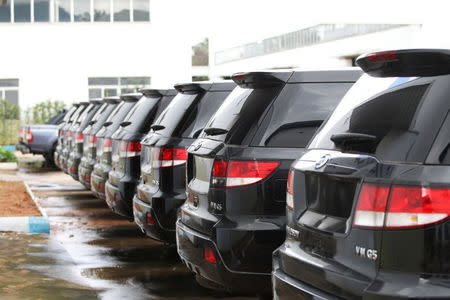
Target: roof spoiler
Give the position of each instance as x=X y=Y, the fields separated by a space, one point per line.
x=153 y=92
x=406 y=63
x=84 y=103
x=192 y=88
x=261 y=79
x=132 y=97
x=112 y=99
x=96 y=101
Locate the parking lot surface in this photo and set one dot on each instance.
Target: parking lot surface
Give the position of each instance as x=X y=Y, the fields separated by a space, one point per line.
x=90 y=253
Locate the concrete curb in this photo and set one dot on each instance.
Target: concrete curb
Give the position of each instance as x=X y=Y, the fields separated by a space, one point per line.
x=33 y=225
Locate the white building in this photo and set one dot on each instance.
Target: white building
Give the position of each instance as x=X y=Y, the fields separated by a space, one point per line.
x=71 y=50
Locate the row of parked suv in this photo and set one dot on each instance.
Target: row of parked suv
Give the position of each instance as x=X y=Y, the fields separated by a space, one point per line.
x=300 y=184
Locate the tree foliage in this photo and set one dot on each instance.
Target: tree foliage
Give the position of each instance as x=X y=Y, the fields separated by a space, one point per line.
x=42 y=112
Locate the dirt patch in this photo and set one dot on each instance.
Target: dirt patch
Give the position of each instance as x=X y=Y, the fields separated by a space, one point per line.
x=15 y=200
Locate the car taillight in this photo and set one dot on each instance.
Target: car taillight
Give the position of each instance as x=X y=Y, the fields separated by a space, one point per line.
x=169 y=157
x=130 y=149
x=383 y=56
x=404 y=207
x=79 y=137
x=92 y=141
x=209 y=255
x=69 y=135
x=61 y=133
x=29 y=136
x=21 y=134
x=107 y=145
x=290 y=190
x=239 y=173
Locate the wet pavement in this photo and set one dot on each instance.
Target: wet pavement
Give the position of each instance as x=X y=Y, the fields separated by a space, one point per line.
x=90 y=253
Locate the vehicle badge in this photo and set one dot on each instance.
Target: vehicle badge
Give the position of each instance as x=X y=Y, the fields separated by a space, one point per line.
x=322 y=161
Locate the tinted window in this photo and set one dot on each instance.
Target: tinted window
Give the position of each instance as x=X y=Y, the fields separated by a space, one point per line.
x=297 y=113
x=101 y=110
x=118 y=115
x=240 y=113
x=77 y=112
x=41 y=10
x=89 y=115
x=82 y=11
x=141 y=115
x=201 y=113
x=22 y=11
x=62 y=10
x=170 y=118
x=69 y=113
x=5 y=11
x=162 y=104
x=401 y=116
x=102 y=115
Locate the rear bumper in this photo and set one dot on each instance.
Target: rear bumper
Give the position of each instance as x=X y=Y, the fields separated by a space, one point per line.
x=155 y=231
x=388 y=286
x=72 y=165
x=98 y=180
x=191 y=246
x=23 y=148
x=120 y=198
x=84 y=173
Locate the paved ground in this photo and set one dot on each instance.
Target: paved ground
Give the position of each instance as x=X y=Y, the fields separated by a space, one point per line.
x=91 y=253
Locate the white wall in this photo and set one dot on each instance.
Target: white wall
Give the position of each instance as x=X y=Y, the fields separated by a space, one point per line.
x=54 y=60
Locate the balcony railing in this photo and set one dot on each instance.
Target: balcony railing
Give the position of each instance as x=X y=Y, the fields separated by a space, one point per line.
x=305 y=37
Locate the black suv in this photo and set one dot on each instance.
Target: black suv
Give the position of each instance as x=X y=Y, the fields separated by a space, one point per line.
x=68 y=135
x=126 y=149
x=368 y=204
x=61 y=128
x=76 y=149
x=90 y=140
x=162 y=189
x=234 y=216
x=99 y=174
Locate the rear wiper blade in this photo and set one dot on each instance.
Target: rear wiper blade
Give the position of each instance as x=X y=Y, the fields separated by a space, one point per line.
x=214 y=131
x=125 y=123
x=352 y=138
x=92 y=122
x=157 y=127
x=106 y=124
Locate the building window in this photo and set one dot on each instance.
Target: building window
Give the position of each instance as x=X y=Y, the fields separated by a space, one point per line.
x=41 y=10
x=113 y=86
x=62 y=10
x=22 y=11
x=141 y=10
x=102 y=10
x=121 y=10
x=82 y=10
x=5 y=10
x=9 y=90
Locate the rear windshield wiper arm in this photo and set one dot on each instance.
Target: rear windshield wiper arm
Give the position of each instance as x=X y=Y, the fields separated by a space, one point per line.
x=157 y=127
x=341 y=139
x=214 y=131
x=125 y=123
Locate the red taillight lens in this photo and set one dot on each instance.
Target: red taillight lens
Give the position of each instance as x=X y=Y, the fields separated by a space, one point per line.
x=61 y=133
x=69 y=135
x=169 y=157
x=21 y=134
x=92 y=141
x=416 y=206
x=383 y=56
x=29 y=136
x=107 y=145
x=150 y=219
x=371 y=207
x=219 y=168
x=290 y=190
x=209 y=256
x=407 y=206
x=79 y=137
x=239 y=173
x=130 y=149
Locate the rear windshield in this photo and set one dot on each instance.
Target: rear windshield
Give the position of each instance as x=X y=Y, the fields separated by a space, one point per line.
x=85 y=112
x=240 y=113
x=142 y=115
x=56 y=119
x=297 y=113
x=99 y=112
x=174 y=112
x=118 y=115
x=399 y=118
x=162 y=104
x=76 y=113
x=69 y=113
x=201 y=113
